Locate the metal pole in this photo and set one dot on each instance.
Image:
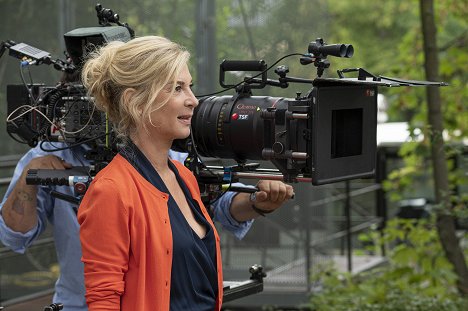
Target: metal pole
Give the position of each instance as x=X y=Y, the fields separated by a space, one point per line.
x=61 y=23
x=308 y=255
x=66 y=20
x=348 y=226
x=205 y=46
x=381 y=202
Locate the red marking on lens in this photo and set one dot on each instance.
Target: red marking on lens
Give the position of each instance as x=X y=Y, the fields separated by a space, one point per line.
x=235 y=116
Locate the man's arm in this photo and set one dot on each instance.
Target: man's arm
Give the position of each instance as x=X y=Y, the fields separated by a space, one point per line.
x=234 y=210
x=271 y=195
x=19 y=210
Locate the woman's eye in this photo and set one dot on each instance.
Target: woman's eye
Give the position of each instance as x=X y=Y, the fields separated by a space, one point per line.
x=178 y=88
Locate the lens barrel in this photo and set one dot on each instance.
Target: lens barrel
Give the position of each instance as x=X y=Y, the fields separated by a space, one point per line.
x=233 y=128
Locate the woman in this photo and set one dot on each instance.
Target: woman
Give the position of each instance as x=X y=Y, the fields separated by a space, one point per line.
x=147 y=240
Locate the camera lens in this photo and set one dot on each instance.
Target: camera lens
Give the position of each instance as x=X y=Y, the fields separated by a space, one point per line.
x=234 y=129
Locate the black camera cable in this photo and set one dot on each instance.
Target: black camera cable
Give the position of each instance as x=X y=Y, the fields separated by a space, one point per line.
x=202 y=164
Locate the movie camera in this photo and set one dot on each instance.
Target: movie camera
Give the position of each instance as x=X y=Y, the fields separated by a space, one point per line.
x=38 y=113
x=324 y=136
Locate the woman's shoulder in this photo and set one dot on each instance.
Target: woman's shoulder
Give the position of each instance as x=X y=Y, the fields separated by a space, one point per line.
x=117 y=172
x=123 y=177
x=119 y=166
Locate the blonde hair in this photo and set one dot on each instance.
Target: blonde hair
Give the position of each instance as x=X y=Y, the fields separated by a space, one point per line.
x=146 y=64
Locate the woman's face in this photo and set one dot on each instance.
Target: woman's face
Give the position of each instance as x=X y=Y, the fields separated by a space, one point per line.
x=173 y=120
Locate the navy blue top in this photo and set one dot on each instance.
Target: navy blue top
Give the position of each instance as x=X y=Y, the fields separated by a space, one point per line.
x=194 y=280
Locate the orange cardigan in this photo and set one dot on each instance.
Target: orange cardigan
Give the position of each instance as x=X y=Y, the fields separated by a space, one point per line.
x=126 y=240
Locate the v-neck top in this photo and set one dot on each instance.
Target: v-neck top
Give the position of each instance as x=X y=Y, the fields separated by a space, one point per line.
x=127 y=242
x=194 y=274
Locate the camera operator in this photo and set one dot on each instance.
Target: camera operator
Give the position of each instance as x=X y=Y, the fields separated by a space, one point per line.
x=26 y=210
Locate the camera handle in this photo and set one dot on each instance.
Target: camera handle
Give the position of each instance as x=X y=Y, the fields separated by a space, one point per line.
x=282 y=82
x=213 y=184
x=54 y=307
x=235 y=290
x=76 y=177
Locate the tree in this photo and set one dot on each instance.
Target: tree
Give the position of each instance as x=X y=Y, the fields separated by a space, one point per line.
x=402 y=55
x=445 y=219
x=403 y=45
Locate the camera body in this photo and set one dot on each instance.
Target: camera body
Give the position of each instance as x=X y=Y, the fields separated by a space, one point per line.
x=328 y=135
x=64 y=112
x=61 y=113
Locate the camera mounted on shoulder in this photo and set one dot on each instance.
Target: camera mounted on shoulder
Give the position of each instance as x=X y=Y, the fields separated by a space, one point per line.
x=324 y=136
x=39 y=113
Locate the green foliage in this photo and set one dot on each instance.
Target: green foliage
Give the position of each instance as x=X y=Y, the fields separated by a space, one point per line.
x=416 y=277
x=409 y=104
x=398 y=301
x=452 y=34
x=374 y=28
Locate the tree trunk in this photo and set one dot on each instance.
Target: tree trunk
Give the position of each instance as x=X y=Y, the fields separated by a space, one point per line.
x=445 y=219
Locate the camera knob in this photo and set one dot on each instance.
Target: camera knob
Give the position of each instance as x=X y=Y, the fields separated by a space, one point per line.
x=278 y=147
x=80 y=188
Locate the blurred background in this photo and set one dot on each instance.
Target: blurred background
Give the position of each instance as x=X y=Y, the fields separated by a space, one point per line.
x=328 y=233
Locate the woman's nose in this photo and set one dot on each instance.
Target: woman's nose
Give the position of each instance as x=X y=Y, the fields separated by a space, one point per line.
x=191 y=100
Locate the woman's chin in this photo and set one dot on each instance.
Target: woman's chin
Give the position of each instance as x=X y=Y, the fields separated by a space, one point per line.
x=183 y=135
